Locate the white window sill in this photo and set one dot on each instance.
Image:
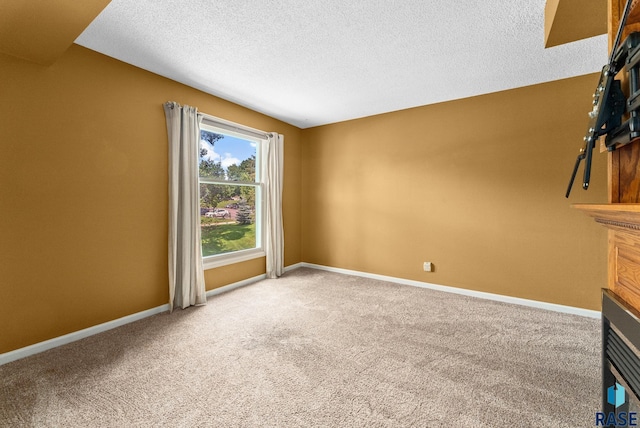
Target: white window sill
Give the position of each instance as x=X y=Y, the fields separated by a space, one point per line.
x=212 y=262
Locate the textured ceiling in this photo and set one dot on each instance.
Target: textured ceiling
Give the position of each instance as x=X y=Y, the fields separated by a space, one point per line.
x=310 y=63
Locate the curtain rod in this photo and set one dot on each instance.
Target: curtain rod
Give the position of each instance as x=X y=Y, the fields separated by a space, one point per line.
x=225 y=124
x=231 y=126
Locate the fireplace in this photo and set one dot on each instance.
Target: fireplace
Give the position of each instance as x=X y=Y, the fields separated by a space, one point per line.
x=620 y=358
x=621 y=216
x=620 y=308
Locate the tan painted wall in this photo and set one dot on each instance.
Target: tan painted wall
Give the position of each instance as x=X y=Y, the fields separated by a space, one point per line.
x=475 y=186
x=83 y=193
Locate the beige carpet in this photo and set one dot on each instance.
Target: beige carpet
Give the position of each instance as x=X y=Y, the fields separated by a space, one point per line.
x=319 y=349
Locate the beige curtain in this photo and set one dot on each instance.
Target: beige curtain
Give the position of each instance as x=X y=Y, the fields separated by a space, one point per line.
x=186 y=274
x=273 y=160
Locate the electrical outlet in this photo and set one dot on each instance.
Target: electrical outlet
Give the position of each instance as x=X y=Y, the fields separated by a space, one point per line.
x=427 y=267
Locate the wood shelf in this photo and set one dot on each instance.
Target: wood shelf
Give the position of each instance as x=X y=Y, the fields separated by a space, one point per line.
x=625 y=216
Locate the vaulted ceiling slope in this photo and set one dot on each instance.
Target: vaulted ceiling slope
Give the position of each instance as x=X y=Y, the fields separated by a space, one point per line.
x=317 y=62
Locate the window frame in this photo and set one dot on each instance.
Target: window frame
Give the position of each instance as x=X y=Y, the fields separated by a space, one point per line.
x=221 y=126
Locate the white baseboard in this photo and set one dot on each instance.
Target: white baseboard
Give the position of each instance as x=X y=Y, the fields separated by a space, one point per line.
x=296 y=266
x=36 y=348
x=480 y=294
x=235 y=285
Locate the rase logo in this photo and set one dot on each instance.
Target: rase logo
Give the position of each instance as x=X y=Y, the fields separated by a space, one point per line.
x=616 y=396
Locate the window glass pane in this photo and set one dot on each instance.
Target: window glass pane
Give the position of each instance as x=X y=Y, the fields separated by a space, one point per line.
x=227 y=218
x=228 y=158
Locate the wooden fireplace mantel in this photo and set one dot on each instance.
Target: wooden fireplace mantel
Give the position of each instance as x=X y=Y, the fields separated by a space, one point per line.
x=623 y=222
x=614 y=216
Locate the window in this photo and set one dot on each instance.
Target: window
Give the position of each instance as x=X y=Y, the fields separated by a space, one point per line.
x=231 y=192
